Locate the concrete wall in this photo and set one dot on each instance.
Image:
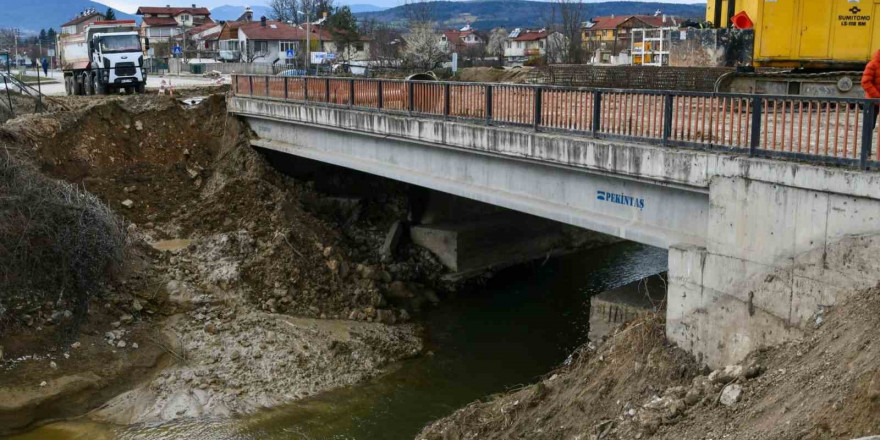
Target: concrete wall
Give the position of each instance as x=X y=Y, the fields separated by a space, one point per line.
x=757 y=247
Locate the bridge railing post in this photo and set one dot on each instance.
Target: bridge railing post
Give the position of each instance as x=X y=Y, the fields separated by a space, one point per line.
x=267 y=86
x=351 y=92
x=447 y=102
x=286 y=88
x=380 y=99
x=869 y=112
x=757 y=111
x=488 y=104
x=250 y=85
x=411 y=104
x=667 y=118
x=306 y=89
x=597 y=113
x=538 y=105
x=327 y=90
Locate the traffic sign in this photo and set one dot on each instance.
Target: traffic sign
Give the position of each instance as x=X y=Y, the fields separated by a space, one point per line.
x=177 y=50
x=289 y=53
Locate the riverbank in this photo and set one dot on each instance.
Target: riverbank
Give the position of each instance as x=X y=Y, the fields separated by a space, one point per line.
x=234 y=296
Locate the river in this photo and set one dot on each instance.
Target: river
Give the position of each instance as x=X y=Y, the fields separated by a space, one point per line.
x=519 y=325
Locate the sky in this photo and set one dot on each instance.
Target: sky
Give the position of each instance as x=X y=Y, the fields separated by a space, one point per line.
x=130 y=6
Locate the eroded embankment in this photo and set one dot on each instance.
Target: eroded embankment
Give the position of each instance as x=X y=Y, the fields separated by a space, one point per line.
x=637 y=386
x=206 y=326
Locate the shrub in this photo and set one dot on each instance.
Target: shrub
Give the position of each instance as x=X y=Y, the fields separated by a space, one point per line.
x=57 y=241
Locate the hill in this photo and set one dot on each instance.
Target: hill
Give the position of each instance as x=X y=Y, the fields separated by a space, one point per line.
x=30 y=17
x=488 y=14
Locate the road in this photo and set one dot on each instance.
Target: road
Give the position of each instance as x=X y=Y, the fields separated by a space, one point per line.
x=153 y=82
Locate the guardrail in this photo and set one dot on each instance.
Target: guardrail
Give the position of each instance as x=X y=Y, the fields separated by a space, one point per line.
x=824 y=130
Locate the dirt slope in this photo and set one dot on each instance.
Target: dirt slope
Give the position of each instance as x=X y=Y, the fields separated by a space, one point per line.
x=636 y=386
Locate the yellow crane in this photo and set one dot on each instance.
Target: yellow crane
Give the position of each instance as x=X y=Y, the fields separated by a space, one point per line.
x=812 y=47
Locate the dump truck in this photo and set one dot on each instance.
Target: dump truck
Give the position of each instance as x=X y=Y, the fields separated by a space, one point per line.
x=104 y=58
x=802 y=47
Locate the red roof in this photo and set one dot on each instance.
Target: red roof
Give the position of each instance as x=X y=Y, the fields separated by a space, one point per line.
x=160 y=21
x=171 y=11
x=531 y=35
x=202 y=28
x=274 y=30
x=453 y=34
x=82 y=19
x=609 y=23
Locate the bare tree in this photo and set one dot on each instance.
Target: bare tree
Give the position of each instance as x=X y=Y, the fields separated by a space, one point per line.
x=285 y=10
x=423 y=48
x=384 y=42
x=497 y=42
x=570 y=14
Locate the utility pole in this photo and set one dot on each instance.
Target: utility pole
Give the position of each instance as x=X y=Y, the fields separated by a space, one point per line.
x=15 y=37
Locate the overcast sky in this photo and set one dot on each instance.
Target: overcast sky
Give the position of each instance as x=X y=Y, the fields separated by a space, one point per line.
x=131 y=6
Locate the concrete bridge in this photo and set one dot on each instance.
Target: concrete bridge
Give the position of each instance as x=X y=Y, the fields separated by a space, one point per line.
x=767 y=204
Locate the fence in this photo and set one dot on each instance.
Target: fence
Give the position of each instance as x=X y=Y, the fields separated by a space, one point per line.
x=826 y=130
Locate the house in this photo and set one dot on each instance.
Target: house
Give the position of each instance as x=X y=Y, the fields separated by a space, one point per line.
x=604 y=38
x=205 y=39
x=461 y=40
x=524 y=44
x=82 y=20
x=164 y=24
x=267 y=41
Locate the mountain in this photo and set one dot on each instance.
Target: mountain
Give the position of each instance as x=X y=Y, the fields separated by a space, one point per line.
x=489 y=14
x=228 y=12
x=360 y=7
x=31 y=16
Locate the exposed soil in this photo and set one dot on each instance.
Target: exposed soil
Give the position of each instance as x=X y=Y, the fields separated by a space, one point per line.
x=245 y=255
x=636 y=386
x=489 y=74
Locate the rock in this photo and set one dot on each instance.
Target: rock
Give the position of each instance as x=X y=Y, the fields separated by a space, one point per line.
x=404 y=315
x=115 y=324
x=333 y=265
x=398 y=290
x=43 y=383
x=128 y=203
x=235 y=355
x=211 y=328
x=692 y=397
x=53 y=365
x=126 y=319
x=392 y=239
x=370 y=312
x=136 y=305
x=120 y=344
x=727 y=375
x=138 y=125
x=386 y=316
x=731 y=394
x=135 y=345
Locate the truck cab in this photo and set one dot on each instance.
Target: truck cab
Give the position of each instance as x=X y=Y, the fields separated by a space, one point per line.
x=118 y=60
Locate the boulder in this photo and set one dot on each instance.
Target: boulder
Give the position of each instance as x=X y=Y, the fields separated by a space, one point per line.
x=731 y=394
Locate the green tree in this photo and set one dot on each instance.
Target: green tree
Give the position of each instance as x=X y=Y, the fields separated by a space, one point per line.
x=50 y=35
x=110 y=15
x=43 y=35
x=344 y=29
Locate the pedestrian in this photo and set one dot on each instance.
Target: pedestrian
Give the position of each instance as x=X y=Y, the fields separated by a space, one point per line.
x=45 y=67
x=871 y=82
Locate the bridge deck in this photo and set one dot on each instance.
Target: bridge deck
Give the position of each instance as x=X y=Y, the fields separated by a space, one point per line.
x=828 y=130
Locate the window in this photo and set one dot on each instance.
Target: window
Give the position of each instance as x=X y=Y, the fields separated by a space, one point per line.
x=359 y=46
x=284 y=46
x=261 y=46
x=229 y=45
x=541 y=44
x=519 y=44
x=185 y=18
x=509 y=45
x=159 y=32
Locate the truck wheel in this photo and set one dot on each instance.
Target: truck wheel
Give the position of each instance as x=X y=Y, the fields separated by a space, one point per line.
x=129 y=90
x=89 y=84
x=140 y=88
x=99 y=89
x=79 y=89
x=68 y=86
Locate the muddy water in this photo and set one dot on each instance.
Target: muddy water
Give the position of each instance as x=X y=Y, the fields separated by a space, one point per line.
x=520 y=325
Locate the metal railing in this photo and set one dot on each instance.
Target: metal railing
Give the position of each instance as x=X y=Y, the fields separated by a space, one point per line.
x=823 y=130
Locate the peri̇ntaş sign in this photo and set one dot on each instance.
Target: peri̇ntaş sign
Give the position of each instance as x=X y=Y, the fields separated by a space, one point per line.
x=621 y=199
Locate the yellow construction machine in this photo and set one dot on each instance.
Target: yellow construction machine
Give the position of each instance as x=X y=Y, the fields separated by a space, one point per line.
x=801 y=47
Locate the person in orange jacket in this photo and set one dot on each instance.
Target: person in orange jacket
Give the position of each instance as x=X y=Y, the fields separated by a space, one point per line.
x=871 y=81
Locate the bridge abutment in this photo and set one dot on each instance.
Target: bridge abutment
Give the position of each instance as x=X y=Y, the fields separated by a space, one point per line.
x=775 y=256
